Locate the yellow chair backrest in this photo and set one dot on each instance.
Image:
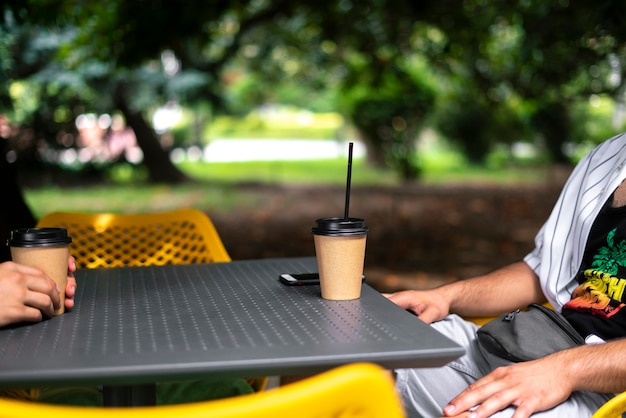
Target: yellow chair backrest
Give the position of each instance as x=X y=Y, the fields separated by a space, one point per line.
x=356 y=390
x=182 y=236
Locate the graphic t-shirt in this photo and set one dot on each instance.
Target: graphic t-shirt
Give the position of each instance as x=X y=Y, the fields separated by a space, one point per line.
x=598 y=304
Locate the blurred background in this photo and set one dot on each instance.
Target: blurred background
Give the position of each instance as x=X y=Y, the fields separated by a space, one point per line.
x=466 y=116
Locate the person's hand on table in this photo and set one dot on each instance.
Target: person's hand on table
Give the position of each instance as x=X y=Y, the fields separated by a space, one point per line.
x=28 y=294
x=428 y=305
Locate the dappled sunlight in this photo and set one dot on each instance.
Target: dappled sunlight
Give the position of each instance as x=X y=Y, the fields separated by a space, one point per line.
x=100 y=138
x=103 y=222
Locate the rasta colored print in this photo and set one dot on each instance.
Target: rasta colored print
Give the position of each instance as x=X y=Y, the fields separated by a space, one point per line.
x=602 y=290
x=595 y=294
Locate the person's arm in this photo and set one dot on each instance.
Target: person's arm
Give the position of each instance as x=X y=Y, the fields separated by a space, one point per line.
x=539 y=385
x=505 y=289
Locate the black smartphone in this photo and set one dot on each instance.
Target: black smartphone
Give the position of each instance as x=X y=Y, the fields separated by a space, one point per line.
x=301 y=279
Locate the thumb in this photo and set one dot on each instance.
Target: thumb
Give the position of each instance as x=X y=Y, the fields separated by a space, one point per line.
x=429 y=315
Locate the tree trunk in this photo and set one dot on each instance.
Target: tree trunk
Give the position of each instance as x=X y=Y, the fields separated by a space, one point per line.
x=155 y=158
x=552 y=121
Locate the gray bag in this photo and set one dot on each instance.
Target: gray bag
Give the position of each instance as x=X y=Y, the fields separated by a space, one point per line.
x=528 y=335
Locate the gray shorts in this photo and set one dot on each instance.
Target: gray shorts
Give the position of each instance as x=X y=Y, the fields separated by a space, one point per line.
x=426 y=391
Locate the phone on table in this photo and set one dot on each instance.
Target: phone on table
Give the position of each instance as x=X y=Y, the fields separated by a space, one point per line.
x=302 y=279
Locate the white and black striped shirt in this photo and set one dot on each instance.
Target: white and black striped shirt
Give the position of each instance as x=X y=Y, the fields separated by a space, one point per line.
x=560 y=244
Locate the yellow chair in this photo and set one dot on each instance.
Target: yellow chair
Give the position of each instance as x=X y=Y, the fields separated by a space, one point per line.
x=355 y=390
x=482 y=320
x=614 y=408
x=182 y=236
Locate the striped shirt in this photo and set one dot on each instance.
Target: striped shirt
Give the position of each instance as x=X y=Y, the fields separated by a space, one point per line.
x=560 y=243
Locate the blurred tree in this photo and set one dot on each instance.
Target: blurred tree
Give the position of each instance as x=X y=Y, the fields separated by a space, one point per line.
x=205 y=37
x=364 y=55
x=540 y=52
x=389 y=116
x=549 y=54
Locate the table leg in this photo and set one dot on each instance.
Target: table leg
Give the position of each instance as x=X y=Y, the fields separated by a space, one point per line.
x=130 y=395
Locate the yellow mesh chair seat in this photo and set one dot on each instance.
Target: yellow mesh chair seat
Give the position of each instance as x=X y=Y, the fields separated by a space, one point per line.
x=183 y=236
x=356 y=390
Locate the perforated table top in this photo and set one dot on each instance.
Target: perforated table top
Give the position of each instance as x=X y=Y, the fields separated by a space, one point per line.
x=146 y=324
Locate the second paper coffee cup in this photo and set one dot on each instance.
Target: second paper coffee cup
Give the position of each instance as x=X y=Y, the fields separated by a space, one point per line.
x=45 y=248
x=340 y=251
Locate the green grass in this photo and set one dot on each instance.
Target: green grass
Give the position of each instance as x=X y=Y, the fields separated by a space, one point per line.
x=437 y=169
x=332 y=171
x=135 y=198
x=216 y=188
x=485 y=175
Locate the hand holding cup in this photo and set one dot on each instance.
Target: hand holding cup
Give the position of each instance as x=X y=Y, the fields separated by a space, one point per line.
x=44 y=248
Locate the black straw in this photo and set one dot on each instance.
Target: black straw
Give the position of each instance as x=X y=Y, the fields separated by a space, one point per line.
x=348 y=182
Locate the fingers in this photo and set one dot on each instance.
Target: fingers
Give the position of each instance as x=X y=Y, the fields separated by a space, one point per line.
x=70 y=287
x=429 y=315
x=22 y=313
x=42 y=292
x=40 y=302
x=489 y=395
x=528 y=387
x=466 y=400
x=421 y=303
x=71 y=265
x=404 y=299
x=27 y=293
x=70 y=290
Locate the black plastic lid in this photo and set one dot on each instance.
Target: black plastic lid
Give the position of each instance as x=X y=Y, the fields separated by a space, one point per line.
x=339 y=227
x=38 y=237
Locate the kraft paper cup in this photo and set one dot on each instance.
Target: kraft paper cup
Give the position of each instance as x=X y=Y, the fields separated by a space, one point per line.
x=45 y=248
x=340 y=252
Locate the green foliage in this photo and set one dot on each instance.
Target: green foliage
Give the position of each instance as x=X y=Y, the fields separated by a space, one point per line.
x=500 y=72
x=551 y=120
x=249 y=90
x=466 y=122
x=389 y=116
x=535 y=52
x=125 y=173
x=477 y=126
x=596 y=119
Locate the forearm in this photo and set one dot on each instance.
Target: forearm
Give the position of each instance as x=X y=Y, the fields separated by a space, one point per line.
x=505 y=289
x=595 y=367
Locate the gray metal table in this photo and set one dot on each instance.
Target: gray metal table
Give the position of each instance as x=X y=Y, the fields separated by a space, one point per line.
x=135 y=326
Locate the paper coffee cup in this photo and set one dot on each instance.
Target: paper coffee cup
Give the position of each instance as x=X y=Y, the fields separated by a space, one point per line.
x=45 y=248
x=340 y=251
